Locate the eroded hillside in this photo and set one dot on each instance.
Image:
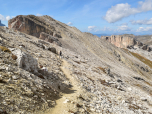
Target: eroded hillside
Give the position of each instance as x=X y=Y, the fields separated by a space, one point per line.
x=93 y=76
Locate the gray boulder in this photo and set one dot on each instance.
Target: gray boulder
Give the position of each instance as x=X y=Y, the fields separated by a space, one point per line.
x=25 y=61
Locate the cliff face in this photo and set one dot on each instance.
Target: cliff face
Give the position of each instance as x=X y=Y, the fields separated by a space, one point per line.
x=32 y=25
x=121 y=41
x=124 y=41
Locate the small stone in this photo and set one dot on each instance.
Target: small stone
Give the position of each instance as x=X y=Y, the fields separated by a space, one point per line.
x=14 y=77
x=129 y=89
x=119 y=97
x=143 y=99
x=67 y=100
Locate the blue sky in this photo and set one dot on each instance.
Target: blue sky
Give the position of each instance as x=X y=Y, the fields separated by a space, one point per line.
x=95 y=16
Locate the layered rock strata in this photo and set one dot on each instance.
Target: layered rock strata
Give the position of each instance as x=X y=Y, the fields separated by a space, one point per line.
x=32 y=25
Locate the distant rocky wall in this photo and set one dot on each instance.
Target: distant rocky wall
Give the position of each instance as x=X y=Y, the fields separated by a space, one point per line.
x=124 y=41
x=121 y=41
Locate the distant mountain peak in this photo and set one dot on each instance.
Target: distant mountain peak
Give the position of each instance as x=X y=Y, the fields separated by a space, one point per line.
x=1 y=24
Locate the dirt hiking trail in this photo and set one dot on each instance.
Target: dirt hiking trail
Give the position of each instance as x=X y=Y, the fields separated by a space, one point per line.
x=62 y=105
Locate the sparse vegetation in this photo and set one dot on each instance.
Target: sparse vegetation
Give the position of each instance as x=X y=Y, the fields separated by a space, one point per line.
x=5 y=49
x=144 y=88
x=143 y=59
x=134 y=107
x=77 y=62
x=71 y=111
x=102 y=69
x=103 y=82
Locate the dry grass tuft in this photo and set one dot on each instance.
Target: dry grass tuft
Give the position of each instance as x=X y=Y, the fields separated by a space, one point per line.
x=143 y=59
x=5 y=49
x=102 y=69
x=134 y=107
x=103 y=82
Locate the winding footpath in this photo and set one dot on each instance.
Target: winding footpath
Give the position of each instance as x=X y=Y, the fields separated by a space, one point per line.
x=61 y=104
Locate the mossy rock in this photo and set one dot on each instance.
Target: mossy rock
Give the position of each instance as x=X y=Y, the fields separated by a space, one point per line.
x=5 y=49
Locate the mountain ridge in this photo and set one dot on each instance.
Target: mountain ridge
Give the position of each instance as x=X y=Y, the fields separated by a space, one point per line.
x=112 y=79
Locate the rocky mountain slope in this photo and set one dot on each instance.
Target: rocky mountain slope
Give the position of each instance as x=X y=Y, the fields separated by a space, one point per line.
x=146 y=39
x=92 y=77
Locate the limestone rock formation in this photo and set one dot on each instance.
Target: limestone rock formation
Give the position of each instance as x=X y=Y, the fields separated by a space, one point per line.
x=32 y=25
x=126 y=41
x=121 y=41
x=25 y=61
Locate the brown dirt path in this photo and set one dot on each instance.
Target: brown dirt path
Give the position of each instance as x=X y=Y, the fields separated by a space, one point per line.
x=62 y=107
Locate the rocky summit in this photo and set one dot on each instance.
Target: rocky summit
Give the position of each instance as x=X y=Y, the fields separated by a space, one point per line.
x=91 y=76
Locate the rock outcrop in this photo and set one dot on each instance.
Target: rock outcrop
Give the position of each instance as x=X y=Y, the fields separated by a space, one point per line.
x=121 y=41
x=50 y=38
x=25 y=61
x=32 y=25
x=124 y=41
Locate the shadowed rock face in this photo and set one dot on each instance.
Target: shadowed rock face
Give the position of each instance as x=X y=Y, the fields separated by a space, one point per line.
x=1 y=24
x=32 y=25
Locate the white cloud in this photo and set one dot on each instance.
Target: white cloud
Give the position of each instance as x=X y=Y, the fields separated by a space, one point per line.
x=142 y=22
x=124 y=27
x=142 y=29
x=2 y=18
x=8 y=18
x=119 y=11
x=69 y=23
x=106 y=29
x=38 y=14
x=91 y=28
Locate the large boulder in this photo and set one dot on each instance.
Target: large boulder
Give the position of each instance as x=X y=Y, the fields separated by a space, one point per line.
x=25 y=61
x=144 y=47
x=52 y=49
